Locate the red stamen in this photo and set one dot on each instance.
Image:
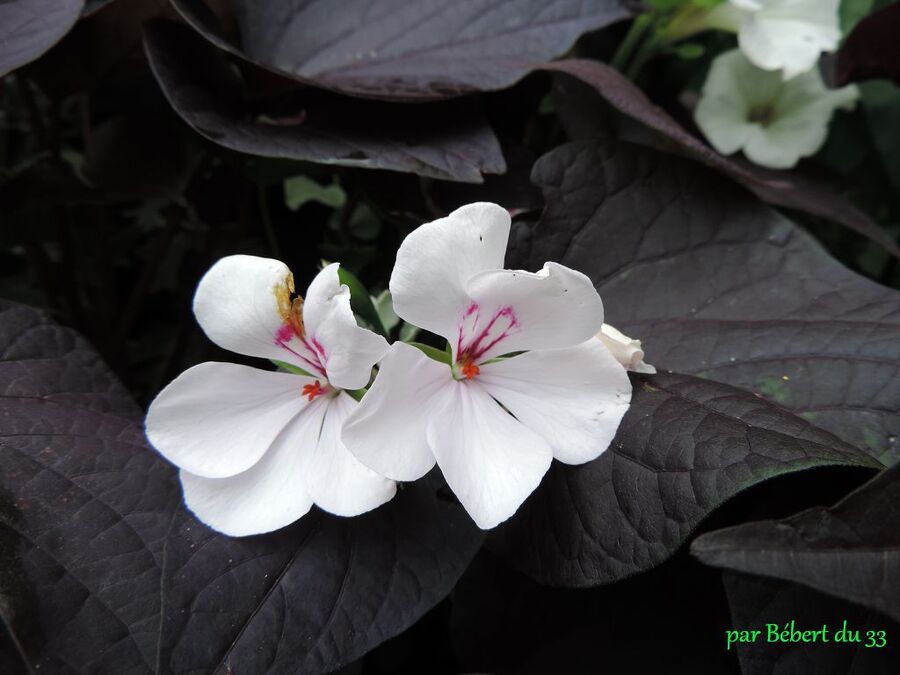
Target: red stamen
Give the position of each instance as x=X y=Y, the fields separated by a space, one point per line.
x=470 y=370
x=312 y=390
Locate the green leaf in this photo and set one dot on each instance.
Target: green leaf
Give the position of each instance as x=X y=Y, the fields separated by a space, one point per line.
x=433 y=352
x=290 y=368
x=361 y=301
x=300 y=190
x=385 y=308
x=408 y=332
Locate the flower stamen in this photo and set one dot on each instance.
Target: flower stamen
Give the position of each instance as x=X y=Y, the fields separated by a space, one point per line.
x=312 y=390
x=470 y=370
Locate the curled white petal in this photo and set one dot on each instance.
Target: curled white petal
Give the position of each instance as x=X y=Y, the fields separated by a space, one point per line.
x=437 y=259
x=774 y=122
x=239 y=304
x=626 y=351
x=555 y=307
x=347 y=351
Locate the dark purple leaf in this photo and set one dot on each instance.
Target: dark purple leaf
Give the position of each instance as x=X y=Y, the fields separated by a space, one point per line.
x=400 y=50
x=872 y=50
x=851 y=550
x=685 y=447
x=28 y=28
x=102 y=570
x=776 y=187
x=449 y=141
x=105 y=45
x=722 y=287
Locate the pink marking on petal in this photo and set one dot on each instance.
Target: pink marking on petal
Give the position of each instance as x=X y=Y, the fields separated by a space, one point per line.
x=471 y=346
x=284 y=334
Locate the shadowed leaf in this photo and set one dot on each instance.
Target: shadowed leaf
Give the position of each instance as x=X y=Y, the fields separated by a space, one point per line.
x=851 y=550
x=102 y=569
x=446 y=141
x=722 y=287
x=685 y=446
x=396 y=49
x=776 y=187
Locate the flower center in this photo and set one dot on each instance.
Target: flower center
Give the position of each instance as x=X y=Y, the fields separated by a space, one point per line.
x=313 y=390
x=763 y=115
x=480 y=333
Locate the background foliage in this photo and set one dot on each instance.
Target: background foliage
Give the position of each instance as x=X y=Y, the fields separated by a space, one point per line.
x=141 y=140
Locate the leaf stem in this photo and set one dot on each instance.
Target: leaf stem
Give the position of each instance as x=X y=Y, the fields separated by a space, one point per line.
x=633 y=37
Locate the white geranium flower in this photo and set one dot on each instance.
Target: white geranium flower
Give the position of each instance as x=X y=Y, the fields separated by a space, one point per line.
x=626 y=351
x=775 y=123
x=492 y=425
x=257 y=448
x=785 y=35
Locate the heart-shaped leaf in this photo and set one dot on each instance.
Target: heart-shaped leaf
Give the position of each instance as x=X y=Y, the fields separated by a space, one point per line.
x=446 y=141
x=102 y=569
x=395 y=49
x=851 y=550
x=776 y=187
x=685 y=446
x=28 y=28
x=720 y=286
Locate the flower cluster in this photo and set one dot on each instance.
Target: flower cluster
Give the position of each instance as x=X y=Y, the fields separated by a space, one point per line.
x=767 y=97
x=531 y=373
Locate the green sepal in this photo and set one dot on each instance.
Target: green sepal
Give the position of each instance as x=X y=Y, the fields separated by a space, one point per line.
x=291 y=368
x=434 y=353
x=361 y=301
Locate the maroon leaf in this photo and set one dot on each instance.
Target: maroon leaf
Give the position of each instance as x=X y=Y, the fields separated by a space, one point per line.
x=450 y=141
x=872 y=50
x=28 y=28
x=776 y=187
x=102 y=570
x=396 y=49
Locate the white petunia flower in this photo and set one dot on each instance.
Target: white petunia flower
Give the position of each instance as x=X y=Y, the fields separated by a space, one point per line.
x=257 y=448
x=775 y=123
x=628 y=352
x=492 y=425
x=785 y=35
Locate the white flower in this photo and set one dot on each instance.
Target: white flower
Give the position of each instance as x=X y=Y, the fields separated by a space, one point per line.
x=786 y=35
x=628 y=352
x=257 y=448
x=775 y=123
x=492 y=425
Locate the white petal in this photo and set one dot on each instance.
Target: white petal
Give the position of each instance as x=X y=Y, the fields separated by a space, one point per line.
x=436 y=260
x=386 y=432
x=574 y=398
x=337 y=481
x=626 y=351
x=349 y=350
x=789 y=35
x=271 y=494
x=240 y=304
x=734 y=87
x=218 y=419
x=490 y=460
x=556 y=307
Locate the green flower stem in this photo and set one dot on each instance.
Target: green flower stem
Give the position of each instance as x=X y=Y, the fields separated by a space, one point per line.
x=634 y=36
